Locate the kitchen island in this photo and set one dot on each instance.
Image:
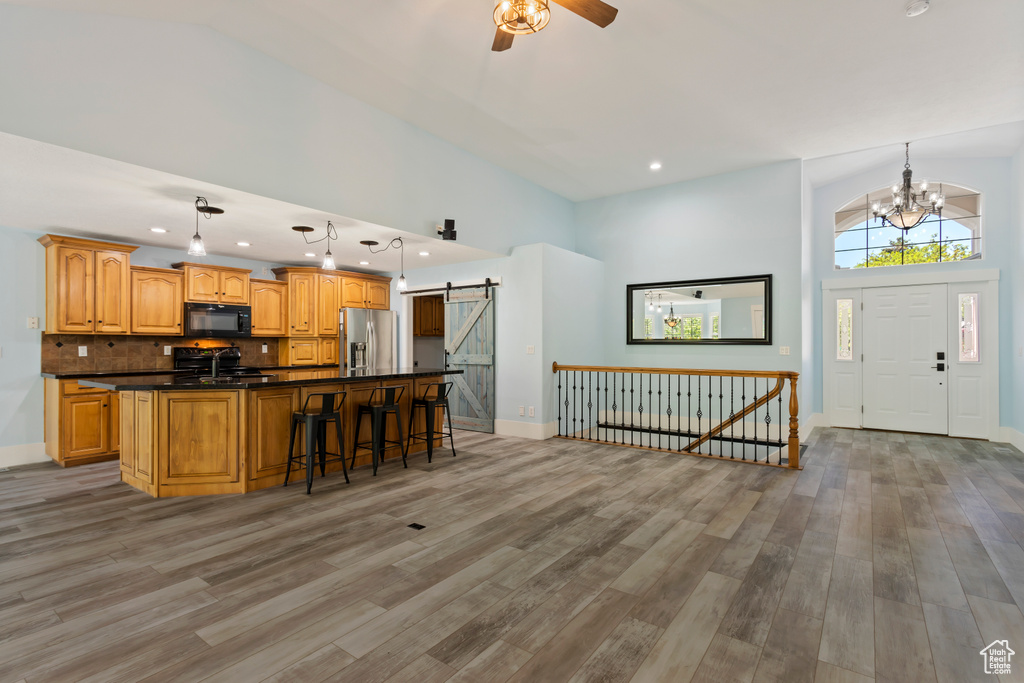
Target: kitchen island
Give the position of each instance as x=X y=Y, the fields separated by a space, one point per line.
x=186 y=435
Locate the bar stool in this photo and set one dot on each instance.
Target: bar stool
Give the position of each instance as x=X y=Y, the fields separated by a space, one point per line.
x=316 y=436
x=430 y=403
x=383 y=402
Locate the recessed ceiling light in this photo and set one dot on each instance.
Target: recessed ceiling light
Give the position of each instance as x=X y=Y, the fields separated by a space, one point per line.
x=364 y=263
x=157 y=230
x=242 y=244
x=917 y=7
x=310 y=254
x=424 y=253
x=655 y=165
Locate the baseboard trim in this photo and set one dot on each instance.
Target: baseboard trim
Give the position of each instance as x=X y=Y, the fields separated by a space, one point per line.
x=810 y=422
x=25 y=454
x=525 y=430
x=1012 y=436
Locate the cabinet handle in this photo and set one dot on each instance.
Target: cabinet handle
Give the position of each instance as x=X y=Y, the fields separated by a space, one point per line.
x=88 y=321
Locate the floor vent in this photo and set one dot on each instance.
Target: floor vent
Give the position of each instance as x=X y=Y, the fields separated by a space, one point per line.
x=416 y=526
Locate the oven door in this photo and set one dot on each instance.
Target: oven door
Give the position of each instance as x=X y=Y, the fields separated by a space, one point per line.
x=216 y=320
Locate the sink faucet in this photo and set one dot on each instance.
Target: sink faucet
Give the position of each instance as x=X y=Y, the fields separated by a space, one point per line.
x=215 y=366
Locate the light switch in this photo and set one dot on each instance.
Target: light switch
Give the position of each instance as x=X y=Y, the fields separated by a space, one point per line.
x=530 y=350
x=532 y=414
x=167 y=350
x=33 y=323
x=783 y=350
x=83 y=351
x=522 y=411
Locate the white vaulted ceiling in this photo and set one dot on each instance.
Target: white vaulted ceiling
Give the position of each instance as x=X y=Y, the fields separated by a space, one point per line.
x=704 y=86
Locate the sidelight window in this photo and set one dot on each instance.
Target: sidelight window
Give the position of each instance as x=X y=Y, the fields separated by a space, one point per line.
x=968 y=314
x=844 y=329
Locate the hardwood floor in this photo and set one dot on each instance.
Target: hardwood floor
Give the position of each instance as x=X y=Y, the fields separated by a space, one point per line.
x=890 y=557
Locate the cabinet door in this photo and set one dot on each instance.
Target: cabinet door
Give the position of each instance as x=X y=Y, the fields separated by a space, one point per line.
x=328 y=296
x=269 y=309
x=270 y=419
x=427 y=317
x=111 y=293
x=198 y=437
x=126 y=428
x=378 y=295
x=114 y=403
x=202 y=285
x=303 y=351
x=156 y=303
x=328 y=350
x=439 y=309
x=302 y=309
x=75 y=290
x=353 y=293
x=234 y=288
x=86 y=425
x=145 y=432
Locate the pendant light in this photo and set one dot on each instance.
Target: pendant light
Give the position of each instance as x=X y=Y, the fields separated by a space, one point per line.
x=332 y=234
x=397 y=243
x=196 y=246
x=909 y=205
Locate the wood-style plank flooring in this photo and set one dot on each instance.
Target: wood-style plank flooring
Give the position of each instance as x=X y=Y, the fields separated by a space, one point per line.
x=890 y=557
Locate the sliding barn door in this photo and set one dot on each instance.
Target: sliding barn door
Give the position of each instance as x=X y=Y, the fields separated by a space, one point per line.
x=469 y=346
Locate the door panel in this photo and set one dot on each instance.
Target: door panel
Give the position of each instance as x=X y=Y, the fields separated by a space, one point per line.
x=469 y=345
x=904 y=330
x=328 y=295
x=156 y=303
x=269 y=309
x=76 y=284
x=353 y=293
x=234 y=288
x=301 y=294
x=201 y=285
x=378 y=295
x=111 y=294
x=86 y=421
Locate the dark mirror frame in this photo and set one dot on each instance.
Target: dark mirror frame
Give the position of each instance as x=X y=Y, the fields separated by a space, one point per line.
x=766 y=279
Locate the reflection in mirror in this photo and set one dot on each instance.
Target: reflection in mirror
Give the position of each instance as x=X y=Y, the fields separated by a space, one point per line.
x=714 y=311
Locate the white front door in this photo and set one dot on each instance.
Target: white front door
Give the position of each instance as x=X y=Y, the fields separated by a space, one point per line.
x=904 y=338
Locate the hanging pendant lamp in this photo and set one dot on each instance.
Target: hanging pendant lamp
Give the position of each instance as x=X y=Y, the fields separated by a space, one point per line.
x=196 y=246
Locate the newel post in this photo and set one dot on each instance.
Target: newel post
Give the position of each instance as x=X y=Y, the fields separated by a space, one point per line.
x=794 y=424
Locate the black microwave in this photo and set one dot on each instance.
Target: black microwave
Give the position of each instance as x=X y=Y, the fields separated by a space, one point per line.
x=217 y=320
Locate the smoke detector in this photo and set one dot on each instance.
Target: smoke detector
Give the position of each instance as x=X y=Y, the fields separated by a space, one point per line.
x=917 y=7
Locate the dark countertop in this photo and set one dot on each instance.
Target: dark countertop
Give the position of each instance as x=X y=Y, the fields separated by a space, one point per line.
x=171 y=381
x=269 y=369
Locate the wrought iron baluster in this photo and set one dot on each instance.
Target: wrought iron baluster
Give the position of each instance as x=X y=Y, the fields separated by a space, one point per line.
x=767 y=421
x=650 y=413
x=711 y=409
x=743 y=401
x=659 y=411
x=632 y=409
x=781 y=423
x=590 y=404
x=754 y=414
x=700 y=414
x=605 y=407
x=615 y=417
x=679 y=407
x=689 y=406
x=732 y=414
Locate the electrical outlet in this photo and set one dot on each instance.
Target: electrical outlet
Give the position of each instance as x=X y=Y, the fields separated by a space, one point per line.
x=83 y=351
x=532 y=412
x=33 y=323
x=522 y=411
x=530 y=350
x=167 y=350
x=1 y=352
x=264 y=348
x=783 y=350
x=1020 y=351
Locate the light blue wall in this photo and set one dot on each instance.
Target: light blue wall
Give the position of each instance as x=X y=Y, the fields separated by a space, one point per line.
x=742 y=223
x=22 y=281
x=1016 y=277
x=993 y=178
x=185 y=99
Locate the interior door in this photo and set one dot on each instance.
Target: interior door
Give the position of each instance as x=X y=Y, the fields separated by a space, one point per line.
x=469 y=346
x=905 y=363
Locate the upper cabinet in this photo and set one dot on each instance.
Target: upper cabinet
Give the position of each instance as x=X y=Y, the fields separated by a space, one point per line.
x=378 y=294
x=87 y=285
x=269 y=301
x=316 y=296
x=302 y=305
x=328 y=299
x=156 y=301
x=428 y=316
x=215 y=284
x=365 y=291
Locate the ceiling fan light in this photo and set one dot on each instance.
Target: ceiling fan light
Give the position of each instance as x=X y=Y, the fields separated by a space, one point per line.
x=522 y=16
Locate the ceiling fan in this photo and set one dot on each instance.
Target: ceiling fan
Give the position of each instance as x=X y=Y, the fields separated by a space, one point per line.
x=517 y=17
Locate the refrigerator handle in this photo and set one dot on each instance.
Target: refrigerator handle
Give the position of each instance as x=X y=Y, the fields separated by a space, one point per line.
x=372 y=334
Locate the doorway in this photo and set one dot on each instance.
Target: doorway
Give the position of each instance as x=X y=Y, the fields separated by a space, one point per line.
x=912 y=356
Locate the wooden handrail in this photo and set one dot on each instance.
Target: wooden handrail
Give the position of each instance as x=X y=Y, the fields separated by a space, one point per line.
x=707 y=436
x=767 y=374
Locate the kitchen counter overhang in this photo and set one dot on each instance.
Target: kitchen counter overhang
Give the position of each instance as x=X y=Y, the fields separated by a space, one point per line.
x=231 y=434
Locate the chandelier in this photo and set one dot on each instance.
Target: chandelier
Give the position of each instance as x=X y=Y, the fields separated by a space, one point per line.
x=522 y=16
x=909 y=206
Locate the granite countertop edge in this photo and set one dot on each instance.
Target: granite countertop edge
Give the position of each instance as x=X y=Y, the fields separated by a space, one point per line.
x=140 y=383
x=142 y=373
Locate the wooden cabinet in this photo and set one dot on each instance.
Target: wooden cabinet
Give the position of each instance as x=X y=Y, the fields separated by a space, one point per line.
x=156 y=301
x=366 y=291
x=328 y=350
x=270 y=419
x=269 y=301
x=197 y=440
x=87 y=286
x=215 y=284
x=82 y=424
x=428 y=316
x=300 y=351
x=302 y=305
x=328 y=299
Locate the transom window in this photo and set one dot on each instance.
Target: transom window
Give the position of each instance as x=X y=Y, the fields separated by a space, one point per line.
x=862 y=241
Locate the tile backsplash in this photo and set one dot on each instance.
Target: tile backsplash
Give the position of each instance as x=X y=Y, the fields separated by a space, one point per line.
x=113 y=353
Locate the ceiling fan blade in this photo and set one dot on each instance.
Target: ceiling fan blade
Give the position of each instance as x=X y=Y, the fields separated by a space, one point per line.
x=502 y=41
x=594 y=11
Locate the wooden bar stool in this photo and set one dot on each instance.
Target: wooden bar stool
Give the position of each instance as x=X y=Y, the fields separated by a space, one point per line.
x=430 y=402
x=383 y=402
x=316 y=436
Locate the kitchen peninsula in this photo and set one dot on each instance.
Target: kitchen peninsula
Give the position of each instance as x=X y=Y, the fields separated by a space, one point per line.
x=187 y=435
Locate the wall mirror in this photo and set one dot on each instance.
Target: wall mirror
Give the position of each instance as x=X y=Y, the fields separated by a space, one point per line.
x=728 y=310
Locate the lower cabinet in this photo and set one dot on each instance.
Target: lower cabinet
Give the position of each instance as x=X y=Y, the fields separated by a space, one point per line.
x=270 y=417
x=82 y=424
x=138 y=445
x=300 y=351
x=197 y=441
x=328 y=350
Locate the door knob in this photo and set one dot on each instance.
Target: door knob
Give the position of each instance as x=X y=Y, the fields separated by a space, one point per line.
x=941 y=367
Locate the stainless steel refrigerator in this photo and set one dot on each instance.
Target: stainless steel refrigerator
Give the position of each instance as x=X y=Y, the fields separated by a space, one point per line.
x=369 y=338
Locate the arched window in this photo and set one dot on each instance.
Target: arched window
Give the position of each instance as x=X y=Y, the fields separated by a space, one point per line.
x=863 y=242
